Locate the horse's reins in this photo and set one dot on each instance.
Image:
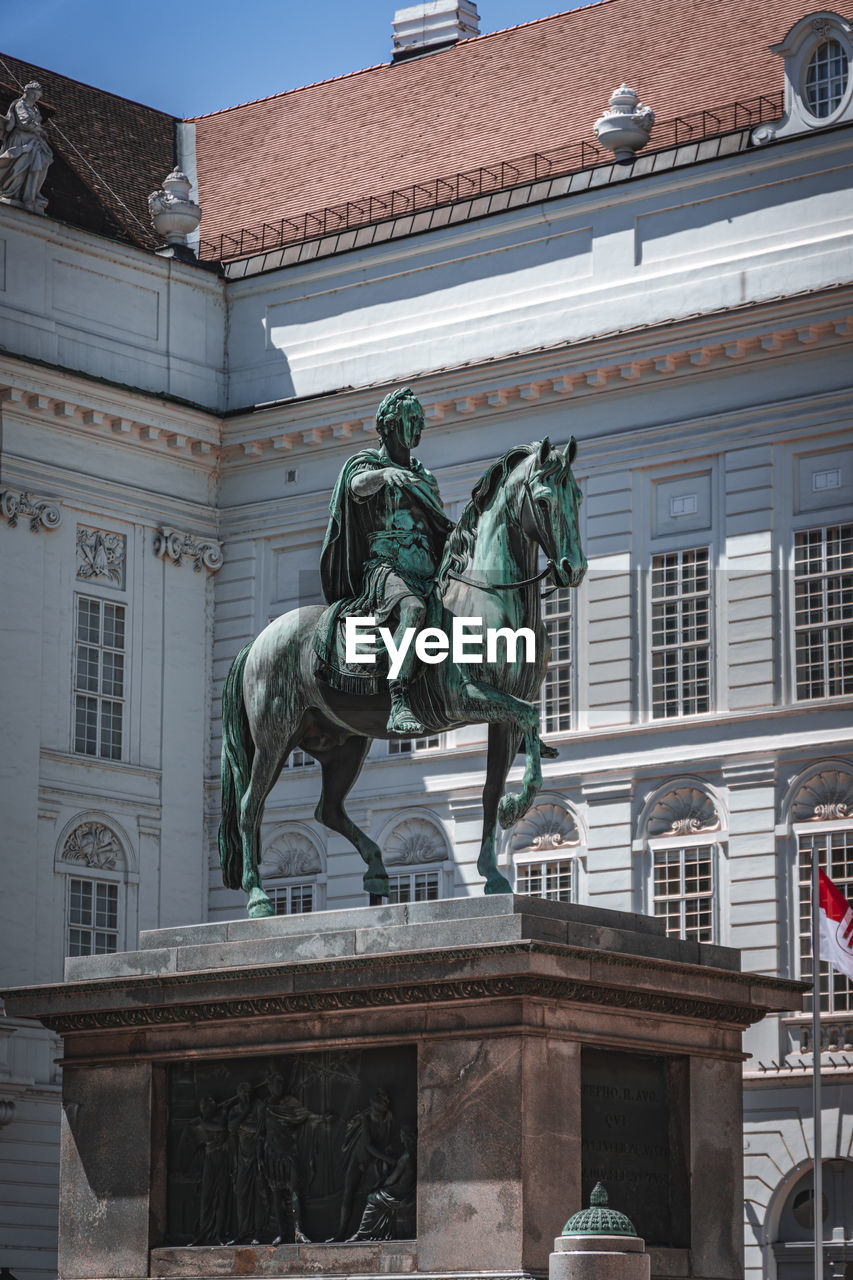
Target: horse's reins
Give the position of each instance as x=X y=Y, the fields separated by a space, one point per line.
x=522 y=582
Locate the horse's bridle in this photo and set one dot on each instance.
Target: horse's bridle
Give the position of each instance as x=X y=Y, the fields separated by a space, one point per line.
x=522 y=582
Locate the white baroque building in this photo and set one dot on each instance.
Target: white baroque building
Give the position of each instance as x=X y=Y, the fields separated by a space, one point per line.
x=171 y=430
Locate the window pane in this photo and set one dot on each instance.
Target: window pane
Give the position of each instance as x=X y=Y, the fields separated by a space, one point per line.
x=92 y=917
x=683 y=891
x=556 y=689
x=835 y=856
x=86 y=725
x=415 y=886
x=99 y=670
x=547 y=879
x=681 y=633
x=823 y=612
x=826 y=78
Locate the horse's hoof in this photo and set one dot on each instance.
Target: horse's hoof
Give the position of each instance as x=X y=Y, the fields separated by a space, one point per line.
x=259 y=905
x=497 y=883
x=377 y=886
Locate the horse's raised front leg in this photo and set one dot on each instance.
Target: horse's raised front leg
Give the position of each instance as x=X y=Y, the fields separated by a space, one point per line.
x=266 y=766
x=481 y=701
x=341 y=767
x=503 y=744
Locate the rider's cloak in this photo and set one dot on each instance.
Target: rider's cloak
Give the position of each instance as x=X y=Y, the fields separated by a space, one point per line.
x=346 y=552
x=346 y=548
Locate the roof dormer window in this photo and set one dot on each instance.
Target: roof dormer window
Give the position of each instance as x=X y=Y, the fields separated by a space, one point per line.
x=818 y=90
x=827 y=73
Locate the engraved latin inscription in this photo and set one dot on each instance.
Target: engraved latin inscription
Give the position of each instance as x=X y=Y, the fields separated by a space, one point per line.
x=633 y=1133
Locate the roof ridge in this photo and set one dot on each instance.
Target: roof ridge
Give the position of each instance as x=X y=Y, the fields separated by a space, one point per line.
x=34 y=66
x=360 y=71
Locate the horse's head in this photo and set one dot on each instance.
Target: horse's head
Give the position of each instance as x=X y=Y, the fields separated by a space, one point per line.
x=550 y=498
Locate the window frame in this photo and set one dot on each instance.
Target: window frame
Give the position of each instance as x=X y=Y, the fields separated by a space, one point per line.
x=531 y=859
x=97 y=877
x=571 y=664
x=805 y=527
x=100 y=697
x=397 y=871
x=714 y=640
x=400 y=747
x=815 y=830
x=668 y=844
x=286 y=885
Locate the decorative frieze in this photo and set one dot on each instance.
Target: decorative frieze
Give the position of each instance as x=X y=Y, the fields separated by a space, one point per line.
x=101 y=556
x=42 y=513
x=94 y=845
x=172 y=544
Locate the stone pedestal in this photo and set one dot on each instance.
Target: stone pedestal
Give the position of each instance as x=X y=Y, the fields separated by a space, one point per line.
x=538 y=1046
x=599 y=1258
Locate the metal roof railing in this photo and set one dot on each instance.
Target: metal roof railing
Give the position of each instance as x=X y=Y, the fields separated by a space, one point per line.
x=500 y=176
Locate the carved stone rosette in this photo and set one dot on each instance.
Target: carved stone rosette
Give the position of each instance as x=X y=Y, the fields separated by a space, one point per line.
x=42 y=513
x=172 y=544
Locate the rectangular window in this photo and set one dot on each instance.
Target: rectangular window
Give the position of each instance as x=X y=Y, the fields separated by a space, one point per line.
x=548 y=879
x=835 y=857
x=414 y=886
x=99 y=678
x=405 y=746
x=684 y=892
x=299 y=759
x=291 y=899
x=681 y=633
x=557 y=687
x=823 y=611
x=92 y=918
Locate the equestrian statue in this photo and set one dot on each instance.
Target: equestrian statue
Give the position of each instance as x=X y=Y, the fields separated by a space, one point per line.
x=392 y=559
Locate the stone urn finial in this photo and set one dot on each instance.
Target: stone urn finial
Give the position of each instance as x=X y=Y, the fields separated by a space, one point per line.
x=625 y=128
x=173 y=215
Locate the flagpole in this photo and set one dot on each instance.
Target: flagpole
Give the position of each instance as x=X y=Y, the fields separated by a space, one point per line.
x=817 y=1202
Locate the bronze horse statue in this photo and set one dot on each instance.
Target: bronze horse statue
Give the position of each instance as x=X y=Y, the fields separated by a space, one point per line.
x=275 y=698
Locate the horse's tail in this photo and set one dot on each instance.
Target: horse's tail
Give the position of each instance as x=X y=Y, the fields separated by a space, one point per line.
x=238 y=750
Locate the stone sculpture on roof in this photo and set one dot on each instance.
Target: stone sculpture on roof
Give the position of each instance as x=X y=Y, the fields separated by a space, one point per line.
x=25 y=154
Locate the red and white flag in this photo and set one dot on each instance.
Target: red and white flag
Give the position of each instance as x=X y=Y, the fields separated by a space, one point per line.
x=836 y=926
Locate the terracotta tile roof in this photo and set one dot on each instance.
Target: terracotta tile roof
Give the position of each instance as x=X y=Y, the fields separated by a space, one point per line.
x=113 y=154
x=490 y=98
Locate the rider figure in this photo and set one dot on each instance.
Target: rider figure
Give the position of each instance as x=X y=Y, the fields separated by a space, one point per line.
x=385 y=538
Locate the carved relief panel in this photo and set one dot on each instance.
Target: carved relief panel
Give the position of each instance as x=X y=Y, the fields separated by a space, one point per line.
x=292 y=1147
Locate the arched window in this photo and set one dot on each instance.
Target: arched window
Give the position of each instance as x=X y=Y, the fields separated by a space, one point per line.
x=417 y=855
x=793 y=1247
x=818 y=51
x=292 y=867
x=546 y=851
x=93 y=859
x=681 y=836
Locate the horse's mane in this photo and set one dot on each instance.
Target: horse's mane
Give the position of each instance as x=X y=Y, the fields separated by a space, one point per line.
x=460 y=542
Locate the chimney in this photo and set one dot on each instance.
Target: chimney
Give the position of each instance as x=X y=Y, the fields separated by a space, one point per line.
x=423 y=28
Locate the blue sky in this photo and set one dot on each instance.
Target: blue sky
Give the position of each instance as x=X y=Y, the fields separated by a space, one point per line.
x=188 y=57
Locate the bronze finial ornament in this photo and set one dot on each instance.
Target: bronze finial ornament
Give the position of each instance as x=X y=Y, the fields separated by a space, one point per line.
x=392 y=557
